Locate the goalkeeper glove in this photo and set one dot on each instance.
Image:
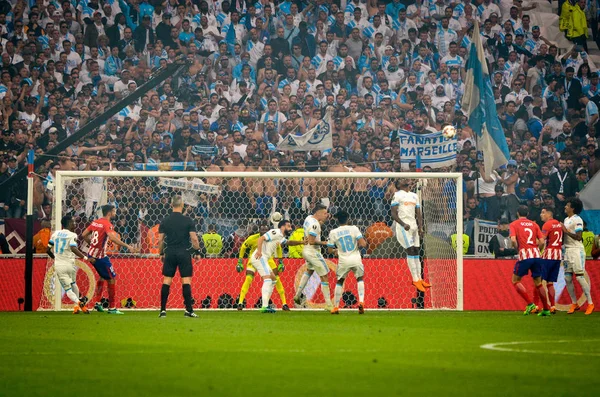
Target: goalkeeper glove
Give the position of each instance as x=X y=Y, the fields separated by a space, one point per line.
x=240 y=266
x=281 y=266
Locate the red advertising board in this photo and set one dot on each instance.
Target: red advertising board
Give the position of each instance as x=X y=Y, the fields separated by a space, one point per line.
x=487 y=283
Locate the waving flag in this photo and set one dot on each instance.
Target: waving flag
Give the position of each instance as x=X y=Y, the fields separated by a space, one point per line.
x=230 y=38
x=317 y=138
x=479 y=105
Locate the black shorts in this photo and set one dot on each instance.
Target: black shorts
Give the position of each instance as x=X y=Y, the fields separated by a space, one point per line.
x=181 y=260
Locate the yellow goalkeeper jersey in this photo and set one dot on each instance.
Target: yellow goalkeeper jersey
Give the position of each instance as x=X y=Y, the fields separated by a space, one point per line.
x=250 y=244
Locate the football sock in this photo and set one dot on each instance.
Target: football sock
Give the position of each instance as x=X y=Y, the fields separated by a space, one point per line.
x=266 y=289
x=245 y=288
x=164 y=296
x=339 y=290
x=585 y=286
x=571 y=288
x=187 y=297
x=543 y=296
x=99 y=291
x=520 y=288
x=111 y=296
x=412 y=266
x=326 y=292
x=280 y=291
x=551 y=294
x=75 y=289
x=303 y=282
x=72 y=296
x=536 y=297
x=361 y=291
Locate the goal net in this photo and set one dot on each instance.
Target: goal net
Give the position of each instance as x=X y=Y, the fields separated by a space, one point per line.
x=228 y=207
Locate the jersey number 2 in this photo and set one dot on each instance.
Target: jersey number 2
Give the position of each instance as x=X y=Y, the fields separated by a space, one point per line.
x=530 y=236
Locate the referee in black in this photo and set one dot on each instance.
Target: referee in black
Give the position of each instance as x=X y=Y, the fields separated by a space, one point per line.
x=178 y=241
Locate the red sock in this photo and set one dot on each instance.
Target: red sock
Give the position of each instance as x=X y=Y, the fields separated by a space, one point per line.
x=522 y=291
x=543 y=296
x=536 y=297
x=111 y=296
x=551 y=294
x=99 y=291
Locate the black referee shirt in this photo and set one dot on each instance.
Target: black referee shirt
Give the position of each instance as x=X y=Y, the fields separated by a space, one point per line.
x=176 y=228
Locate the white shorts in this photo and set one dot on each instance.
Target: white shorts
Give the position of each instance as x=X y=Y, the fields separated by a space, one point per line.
x=67 y=274
x=261 y=265
x=344 y=268
x=316 y=262
x=574 y=260
x=408 y=238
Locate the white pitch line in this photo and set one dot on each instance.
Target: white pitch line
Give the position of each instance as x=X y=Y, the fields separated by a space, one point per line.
x=498 y=347
x=199 y=351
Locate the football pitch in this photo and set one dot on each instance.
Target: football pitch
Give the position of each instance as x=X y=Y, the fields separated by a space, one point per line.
x=298 y=354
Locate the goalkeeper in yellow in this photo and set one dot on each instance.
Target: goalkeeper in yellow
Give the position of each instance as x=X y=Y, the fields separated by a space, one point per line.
x=246 y=249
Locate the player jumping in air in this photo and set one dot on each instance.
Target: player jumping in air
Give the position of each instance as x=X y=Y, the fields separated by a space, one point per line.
x=265 y=249
x=62 y=247
x=574 y=261
x=312 y=255
x=527 y=237
x=406 y=211
x=249 y=246
x=346 y=240
x=97 y=235
x=552 y=256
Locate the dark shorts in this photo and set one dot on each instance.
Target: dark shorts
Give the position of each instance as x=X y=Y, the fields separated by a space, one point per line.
x=179 y=260
x=104 y=268
x=550 y=269
x=522 y=268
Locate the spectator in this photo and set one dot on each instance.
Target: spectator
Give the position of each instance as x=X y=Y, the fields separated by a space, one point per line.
x=501 y=245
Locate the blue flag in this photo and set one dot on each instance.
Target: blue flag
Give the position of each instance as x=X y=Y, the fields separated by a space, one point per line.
x=230 y=38
x=478 y=104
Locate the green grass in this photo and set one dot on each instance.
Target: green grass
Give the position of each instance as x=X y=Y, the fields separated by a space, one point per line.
x=296 y=354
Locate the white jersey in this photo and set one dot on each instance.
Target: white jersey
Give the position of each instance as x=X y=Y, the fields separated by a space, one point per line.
x=345 y=239
x=273 y=238
x=62 y=241
x=573 y=224
x=312 y=227
x=406 y=202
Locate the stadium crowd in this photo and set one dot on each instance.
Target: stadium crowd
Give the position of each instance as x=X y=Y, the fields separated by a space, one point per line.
x=262 y=70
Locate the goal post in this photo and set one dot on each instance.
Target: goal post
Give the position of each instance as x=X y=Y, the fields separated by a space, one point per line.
x=233 y=205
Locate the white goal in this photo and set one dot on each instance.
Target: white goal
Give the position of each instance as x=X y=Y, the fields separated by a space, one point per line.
x=228 y=207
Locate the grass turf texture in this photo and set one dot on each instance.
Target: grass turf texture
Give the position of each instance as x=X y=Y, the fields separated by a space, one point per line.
x=296 y=353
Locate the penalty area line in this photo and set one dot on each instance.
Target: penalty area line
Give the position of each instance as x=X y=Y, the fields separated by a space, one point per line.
x=511 y=347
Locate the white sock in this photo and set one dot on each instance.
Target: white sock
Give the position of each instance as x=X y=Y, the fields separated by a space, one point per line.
x=75 y=289
x=361 y=291
x=303 y=282
x=326 y=292
x=585 y=286
x=267 y=287
x=571 y=288
x=72 y=296
x=412 y=266
x=339 y=290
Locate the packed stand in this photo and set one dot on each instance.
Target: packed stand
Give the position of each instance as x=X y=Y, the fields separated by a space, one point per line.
x=260 y=71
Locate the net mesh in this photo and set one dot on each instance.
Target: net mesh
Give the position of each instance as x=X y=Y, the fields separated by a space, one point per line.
x=234 y=208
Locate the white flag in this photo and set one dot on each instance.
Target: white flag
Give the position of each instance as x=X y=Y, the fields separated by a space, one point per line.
x=317 y=138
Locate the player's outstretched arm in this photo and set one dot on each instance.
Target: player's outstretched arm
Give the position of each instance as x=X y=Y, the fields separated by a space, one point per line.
x=49 y=251
x=112 y=236
x=577 y=236
x=81 y=255
x=301 y=242
x=87 y=236
x=259 y=244
x=362 y=242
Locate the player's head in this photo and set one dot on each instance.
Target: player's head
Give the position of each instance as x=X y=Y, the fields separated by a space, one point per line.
x=342 y=217
x=108 y=211
x=523 y=211
x=320 y=212
x=263 y=228
x=212 y=228
x=67 y=222
x=574 y=206
x=547 y=213
x=177 y=203
x=403 y=184
x=285 y=226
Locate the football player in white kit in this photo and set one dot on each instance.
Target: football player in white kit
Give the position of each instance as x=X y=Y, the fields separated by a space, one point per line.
x=346 y=241
x=574 y=258
x=406 y=211
x=312 y=254
x=62 y=247
x=265 y=249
